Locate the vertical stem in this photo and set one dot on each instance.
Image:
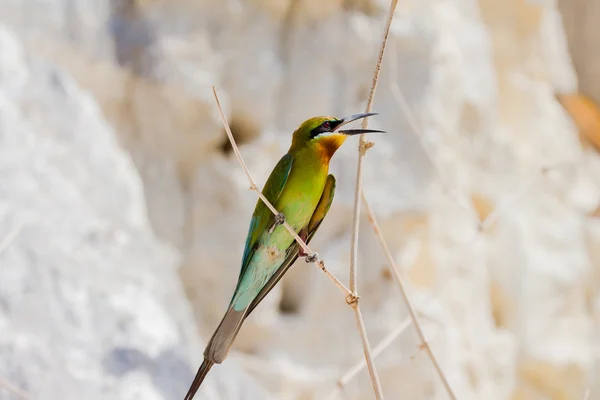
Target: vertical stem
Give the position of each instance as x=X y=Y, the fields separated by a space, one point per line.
x=409 y=306
x=362 y=149
x=360 y=325
x=363 y=146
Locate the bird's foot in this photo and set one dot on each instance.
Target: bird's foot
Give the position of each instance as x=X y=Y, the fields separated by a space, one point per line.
x=311 y=258
x=279 y=220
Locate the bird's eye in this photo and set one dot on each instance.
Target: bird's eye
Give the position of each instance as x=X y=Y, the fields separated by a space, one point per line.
x=326 y=126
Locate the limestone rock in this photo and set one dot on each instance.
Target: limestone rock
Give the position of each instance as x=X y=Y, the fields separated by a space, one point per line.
x=488 y=206
x=91 y=306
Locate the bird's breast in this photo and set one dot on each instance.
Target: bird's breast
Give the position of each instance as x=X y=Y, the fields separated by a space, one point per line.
x=302 y=193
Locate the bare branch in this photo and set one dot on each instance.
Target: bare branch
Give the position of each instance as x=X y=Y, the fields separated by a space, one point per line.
x=362 y=149
x=363 y=146
x=356 y=368
x=409 y=306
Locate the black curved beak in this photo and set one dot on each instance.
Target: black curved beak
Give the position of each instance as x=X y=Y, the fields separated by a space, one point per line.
x=347 y=120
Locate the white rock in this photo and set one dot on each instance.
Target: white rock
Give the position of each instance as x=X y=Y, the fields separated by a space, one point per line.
x=91 y=306
x=509 y=312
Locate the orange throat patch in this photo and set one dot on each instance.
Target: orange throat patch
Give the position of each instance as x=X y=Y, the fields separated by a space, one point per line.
x=331 y=143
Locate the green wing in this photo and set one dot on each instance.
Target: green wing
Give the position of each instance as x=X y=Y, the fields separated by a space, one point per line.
x=292 y=251
x=322 y=208
x=263 y=218
x=223 y=337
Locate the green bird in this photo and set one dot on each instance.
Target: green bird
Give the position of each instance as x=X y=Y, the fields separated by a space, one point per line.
x=300 y=188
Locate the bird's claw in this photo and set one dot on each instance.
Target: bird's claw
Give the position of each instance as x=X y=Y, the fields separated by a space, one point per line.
x=311 y=258
x=279 y=220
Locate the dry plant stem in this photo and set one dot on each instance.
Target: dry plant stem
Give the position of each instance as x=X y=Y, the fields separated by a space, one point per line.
x=18 y=392
x=388 y=340
x=362 y=148
x=409 y=306
x=319 y=263
x=360 y=325
x=377 y=350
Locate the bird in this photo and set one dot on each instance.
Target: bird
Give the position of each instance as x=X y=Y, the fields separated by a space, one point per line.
x=301 y=189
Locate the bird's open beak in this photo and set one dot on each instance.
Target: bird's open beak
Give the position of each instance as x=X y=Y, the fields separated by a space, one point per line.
x=347 y=120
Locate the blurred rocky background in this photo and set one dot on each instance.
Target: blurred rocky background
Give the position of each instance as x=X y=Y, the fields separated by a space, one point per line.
x=123 y=212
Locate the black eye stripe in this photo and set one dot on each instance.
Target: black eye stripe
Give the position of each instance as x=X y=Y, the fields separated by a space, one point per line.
x=324 y=127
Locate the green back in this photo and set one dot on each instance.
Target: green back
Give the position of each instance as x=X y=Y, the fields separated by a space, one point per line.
x=263 y=218
x=292 y=252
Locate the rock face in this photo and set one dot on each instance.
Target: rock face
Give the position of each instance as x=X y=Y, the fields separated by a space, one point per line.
x=489 y=206
x=90 y=303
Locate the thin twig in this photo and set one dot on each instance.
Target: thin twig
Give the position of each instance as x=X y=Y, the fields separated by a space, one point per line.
x=362 y=150
x=319 y=263
x=377 y=350
x=17 y=391
x=409 y=306
x=384 y=344
x=363 y=146
x=360 y=325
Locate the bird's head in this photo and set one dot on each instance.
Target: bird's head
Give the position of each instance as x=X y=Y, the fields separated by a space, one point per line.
x=325 y=133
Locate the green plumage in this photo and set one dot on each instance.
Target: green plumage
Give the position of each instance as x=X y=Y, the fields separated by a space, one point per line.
x=293 y=191
x=300 y=188
x=292 y=251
